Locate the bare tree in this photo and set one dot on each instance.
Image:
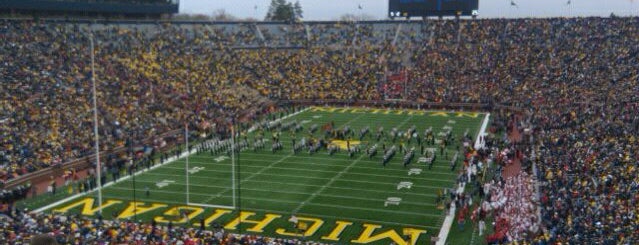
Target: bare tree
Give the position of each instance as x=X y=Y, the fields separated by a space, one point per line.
x=222 y=15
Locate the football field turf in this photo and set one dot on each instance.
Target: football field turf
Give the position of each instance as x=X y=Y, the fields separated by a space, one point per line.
x=338 y=199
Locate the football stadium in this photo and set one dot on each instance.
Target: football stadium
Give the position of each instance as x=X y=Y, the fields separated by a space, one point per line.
x=409 y=122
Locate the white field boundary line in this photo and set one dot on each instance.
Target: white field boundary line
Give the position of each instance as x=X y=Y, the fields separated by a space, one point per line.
x=317 y=204
x=366 y=115
x=252 y=128
x=204 y=164
x=266 y=168
x=319 y=178
x=347 y=110
x=337 y=176
x=293 y=184
x=482 y=131
x=472 y=237
x=448 y=221
x=167 y=161
x=304 y=214
x=271 y=191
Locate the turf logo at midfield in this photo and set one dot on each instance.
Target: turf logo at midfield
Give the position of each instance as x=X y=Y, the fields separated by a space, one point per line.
x=343 y=145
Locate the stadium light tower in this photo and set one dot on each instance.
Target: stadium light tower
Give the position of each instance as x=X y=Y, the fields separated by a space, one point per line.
x=95 y=126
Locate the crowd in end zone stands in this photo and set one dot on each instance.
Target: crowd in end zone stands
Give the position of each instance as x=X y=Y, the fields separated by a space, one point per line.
x=576 y=82
x=81 y=230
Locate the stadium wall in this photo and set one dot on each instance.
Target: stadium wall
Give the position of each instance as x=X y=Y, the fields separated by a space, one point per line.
x=79 y=164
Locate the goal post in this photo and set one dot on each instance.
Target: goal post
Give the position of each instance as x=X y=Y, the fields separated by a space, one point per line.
x=209 y=196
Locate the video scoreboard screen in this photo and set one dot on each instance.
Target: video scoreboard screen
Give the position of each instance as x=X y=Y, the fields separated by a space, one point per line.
x=425 y=8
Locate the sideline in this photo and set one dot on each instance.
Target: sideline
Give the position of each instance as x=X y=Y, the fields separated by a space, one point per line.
x=448 y=221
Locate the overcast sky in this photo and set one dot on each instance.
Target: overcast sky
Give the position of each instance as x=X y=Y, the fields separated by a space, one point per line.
x=333 y=9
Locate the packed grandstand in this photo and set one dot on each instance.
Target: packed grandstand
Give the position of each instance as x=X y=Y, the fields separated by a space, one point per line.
x=564 y=90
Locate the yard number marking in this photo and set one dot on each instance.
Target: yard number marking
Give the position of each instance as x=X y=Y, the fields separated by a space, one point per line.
x=404 y=184
x=392 y=201
x=220 y=158
x=416 y=171
x=195 y=170
x=164 y=183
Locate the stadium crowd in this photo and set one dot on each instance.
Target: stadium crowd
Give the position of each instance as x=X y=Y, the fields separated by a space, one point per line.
x=47 y=112
x=21 y=227
x=575 y=82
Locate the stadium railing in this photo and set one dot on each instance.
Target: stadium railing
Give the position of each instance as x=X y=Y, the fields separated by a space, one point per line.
x=78 y=164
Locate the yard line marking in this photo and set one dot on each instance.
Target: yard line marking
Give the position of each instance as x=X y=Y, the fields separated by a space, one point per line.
x=317 y=158
x=266 y=168
x=316 y=170
x=392 y=191
x=284 y=213
x=299 y=184
x=330 y=182
x=248 y=178
x=321 y=178
x=316 y=163
x=169 y=161
x=341 y=207
x=334 y=178
x=274 y=191
x=404 y=122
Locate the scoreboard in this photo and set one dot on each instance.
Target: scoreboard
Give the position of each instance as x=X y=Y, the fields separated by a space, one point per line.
x=425 y=8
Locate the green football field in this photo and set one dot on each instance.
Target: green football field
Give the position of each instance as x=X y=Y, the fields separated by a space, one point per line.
x=336 y=199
